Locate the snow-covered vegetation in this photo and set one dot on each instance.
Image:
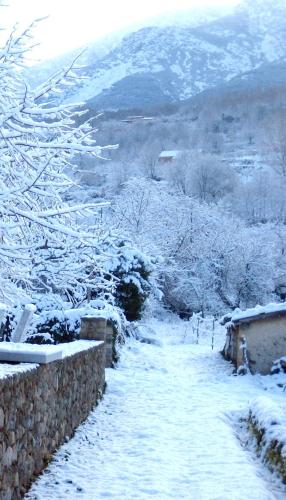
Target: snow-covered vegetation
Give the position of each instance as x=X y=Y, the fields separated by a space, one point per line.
x=185 y=214
x=210 y=259
x=214 y=216
x=55 y=252
x=42 y=245
x=212 y=227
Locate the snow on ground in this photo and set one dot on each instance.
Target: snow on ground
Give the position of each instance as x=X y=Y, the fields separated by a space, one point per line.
x=71 y=348
x=8 y=369
x=165 y=429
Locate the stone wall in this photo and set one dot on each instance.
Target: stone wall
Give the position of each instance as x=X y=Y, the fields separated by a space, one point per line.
x=41 y=408
x=96 y=328
x=269 y=435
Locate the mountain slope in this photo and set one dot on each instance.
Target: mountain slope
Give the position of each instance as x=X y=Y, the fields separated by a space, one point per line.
x=265 y=84
x=162 y=64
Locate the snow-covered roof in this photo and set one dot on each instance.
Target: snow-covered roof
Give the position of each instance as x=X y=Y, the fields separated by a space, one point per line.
x=258 y=312
x=169 y=154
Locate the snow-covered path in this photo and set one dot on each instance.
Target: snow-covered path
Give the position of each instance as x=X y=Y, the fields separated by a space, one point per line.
x=164 y=431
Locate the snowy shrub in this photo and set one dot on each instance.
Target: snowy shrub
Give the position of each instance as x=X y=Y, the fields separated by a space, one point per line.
x=44 y=304
x=56 y=321
x=278 y=366
x=7 y=327
x=43 y=333
x=10 y=320
x=133 y=270
x=56 y=326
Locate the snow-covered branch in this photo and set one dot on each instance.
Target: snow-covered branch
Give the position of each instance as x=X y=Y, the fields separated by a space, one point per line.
x=45 y=242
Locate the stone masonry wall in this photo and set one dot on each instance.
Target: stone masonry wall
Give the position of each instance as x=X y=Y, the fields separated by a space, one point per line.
x=39 y=409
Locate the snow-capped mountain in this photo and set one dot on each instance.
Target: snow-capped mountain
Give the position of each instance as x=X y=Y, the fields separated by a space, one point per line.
x=161 y=64
x=89 y=55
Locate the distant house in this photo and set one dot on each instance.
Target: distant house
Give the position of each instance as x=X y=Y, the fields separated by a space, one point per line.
x=168 y=156
x=256 y=337
x=138 y=118
x=89 y=177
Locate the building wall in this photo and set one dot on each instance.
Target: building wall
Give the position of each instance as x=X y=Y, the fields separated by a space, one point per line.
x=40 y=409
x=231 y=348
x=266 y=341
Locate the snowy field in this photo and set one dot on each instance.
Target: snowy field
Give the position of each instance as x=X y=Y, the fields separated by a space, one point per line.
x=166 y=429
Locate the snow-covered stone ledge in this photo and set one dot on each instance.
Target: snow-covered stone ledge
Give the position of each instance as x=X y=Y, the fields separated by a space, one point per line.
x=42 y=354
x=40 y=407
x=267 y=425
x=28 y=353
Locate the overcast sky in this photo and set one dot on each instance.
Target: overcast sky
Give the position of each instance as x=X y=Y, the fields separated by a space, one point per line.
x=73 y=23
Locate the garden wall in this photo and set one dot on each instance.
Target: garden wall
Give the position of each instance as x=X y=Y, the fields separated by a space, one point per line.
x=267 y=426
x=40 y=409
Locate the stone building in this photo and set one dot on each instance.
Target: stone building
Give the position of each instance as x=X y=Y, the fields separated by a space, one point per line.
x=168 y=156
x=256 y=337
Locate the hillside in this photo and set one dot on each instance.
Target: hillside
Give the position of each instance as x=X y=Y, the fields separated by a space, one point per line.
x=157 y=65
x=265 y=84
x=164 y=64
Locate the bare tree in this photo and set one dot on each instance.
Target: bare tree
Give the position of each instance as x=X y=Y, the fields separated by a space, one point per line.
x=273 y=141
x=210 y=179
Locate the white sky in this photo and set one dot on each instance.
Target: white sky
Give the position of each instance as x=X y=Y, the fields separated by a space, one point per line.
x=73 y=23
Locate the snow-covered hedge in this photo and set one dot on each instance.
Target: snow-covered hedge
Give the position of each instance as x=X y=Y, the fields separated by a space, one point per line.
x=63 y=325
x=279 y=366
x=267 y=423
x=52 y=325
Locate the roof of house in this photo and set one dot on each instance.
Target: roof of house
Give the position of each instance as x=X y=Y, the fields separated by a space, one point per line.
x=132 y=119
x=255 y=314
x=169 y=154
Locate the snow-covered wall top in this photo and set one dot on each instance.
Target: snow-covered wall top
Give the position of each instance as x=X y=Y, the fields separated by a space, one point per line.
x=42 y=354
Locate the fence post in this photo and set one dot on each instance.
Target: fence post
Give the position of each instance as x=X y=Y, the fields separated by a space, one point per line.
x=198 y=325
x=213 y=330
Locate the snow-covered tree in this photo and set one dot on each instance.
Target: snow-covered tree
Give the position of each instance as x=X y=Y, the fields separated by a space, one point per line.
x=211 y=261
x=38 y=140
x=260 y=198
